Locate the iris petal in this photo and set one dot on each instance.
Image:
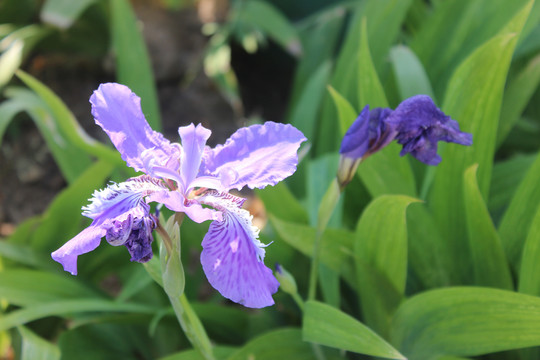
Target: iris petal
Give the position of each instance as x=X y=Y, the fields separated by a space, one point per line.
x=118 y=111
x=232 y=256
x=258 y=156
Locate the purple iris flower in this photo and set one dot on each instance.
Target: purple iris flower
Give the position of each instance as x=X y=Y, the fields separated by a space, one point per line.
x=420 y=124
x=417 y=124
x=184 y=178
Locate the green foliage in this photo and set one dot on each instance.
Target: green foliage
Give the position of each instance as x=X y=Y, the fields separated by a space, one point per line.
x=395 y=281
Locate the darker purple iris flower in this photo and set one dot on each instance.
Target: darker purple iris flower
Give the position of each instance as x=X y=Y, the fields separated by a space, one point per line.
x=417 y=124
x=185 y=177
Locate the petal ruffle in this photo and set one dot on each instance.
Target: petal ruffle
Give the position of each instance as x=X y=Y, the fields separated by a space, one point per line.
x=120 y=215
x=118 y=111
x=255 y=156
x=86 y=241
x=232 y=257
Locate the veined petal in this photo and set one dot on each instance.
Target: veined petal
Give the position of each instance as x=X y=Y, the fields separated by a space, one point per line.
x=86 y=241
x=255 y=156
x=193 y=142
x=118 y=111
x=232 y=256
x=120 y=215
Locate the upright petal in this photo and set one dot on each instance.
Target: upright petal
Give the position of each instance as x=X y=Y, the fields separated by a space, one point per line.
x=118 y=111
x=255 y=156
x=232 y=256
x=193 y=142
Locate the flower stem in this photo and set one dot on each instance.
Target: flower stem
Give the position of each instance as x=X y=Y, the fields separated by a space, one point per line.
x=326 y=208
x=192 y=326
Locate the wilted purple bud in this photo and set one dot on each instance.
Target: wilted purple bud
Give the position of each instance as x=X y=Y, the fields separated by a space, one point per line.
x=420 y=124
x=368 y=134
x=417 y=124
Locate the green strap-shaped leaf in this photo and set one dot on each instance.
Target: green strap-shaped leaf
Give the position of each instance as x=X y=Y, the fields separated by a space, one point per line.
x=466 y=321
x=384 y=172
x=411 y=78
x=346 y=112
x=31 y=287
x=63 y=217
x=477 y=110
x=490 y=266
x=326 y=325
x=279 y=201
x=270 y=20
x=381 y=244
x=517 y=95
x=67 y=307
x=276 y=344
x=132 y=61
x=517 y=219
x=67 y=123
x=384 y=19
x=336 y=246
x=63 y=13
x=35 y=348
x=529 y=275
x=304 y=115
x=71 y=160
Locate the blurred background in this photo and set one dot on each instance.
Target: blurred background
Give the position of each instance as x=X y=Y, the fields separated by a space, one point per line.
x=227 y=64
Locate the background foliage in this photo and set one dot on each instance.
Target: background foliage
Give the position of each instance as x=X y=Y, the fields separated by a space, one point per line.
x=417 y=262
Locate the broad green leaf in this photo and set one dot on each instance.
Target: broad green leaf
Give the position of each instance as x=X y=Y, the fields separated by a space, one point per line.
x=67 y=307
x=132 y=61
x=279 y=201
x=455 y=29
x=490 y=266
x=71 y=160
x=384 y=20
x=336 y=246
x=346 y=112
x=63 y=217
x=428 y=249
x=384 y=172
x=466 y=321
x=35 y=348
x=304 y=115
x=63 y=13
x=271 y=21
x=519 y=214
x=23 y=254
x=276 y=344
x=326 y=325
x=409 y=73
x=381 y=244
x=477 y=109
x=67 y=123
x=529 y=281
x=370 y=90
x=8 y=109
x=517 y=95
x=30 y=287
x=505 y=179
